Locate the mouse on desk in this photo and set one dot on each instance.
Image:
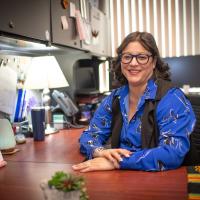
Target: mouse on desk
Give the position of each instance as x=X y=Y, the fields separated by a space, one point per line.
x=20 y=138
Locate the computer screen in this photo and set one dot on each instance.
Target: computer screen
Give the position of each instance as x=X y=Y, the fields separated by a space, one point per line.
x=185 y=70
x=86 y=78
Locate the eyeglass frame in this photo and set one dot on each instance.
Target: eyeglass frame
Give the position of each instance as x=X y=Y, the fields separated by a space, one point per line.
x=135 y=56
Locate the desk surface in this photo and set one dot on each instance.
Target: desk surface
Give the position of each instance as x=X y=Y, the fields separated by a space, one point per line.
x=37 y=161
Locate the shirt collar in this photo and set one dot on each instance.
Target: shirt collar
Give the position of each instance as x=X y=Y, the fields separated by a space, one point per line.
x=149 y=93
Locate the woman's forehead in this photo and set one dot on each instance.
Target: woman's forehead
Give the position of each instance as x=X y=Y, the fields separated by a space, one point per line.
x=135 y=48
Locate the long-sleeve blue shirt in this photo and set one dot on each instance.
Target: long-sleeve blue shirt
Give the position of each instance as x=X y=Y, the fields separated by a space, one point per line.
x=175 y=119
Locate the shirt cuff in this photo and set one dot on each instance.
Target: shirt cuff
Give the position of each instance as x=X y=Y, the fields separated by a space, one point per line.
x=91 y=150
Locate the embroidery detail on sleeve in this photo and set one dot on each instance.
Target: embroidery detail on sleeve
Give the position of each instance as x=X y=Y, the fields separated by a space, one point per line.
x=94 y=135
x=184 y=102
x=170 y=116
x=108 y=108
x=173 y=115
x=94 y=126
x=106 y=123
x=143 y=156
x=90 y=142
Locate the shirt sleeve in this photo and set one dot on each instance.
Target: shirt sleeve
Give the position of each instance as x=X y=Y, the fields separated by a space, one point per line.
x=98 y=131
x=176 y=120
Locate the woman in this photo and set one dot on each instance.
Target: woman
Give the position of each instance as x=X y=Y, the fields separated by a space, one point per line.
x=137 y=66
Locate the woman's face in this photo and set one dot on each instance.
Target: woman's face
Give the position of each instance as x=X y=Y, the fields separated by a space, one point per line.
x=137 y=64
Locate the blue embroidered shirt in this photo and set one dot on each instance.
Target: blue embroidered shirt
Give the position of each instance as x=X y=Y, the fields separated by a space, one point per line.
x=175 y=119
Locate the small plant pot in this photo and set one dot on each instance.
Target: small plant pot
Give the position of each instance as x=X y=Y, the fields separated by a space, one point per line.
x=54 y=194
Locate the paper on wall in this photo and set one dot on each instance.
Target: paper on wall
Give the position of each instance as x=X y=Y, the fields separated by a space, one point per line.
x=80 y=26
x=64 y=22
x=72 y=9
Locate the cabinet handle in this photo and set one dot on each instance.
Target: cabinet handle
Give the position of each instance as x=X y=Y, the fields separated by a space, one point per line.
x=11 y=24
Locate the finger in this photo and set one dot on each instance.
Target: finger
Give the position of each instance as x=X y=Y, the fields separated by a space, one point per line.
x=113 y=160
x=80 y=166
x=116 y=164
x=77 y=168
x=125 y=152
x=117 y=156
x=88 y=169
x=110 y=158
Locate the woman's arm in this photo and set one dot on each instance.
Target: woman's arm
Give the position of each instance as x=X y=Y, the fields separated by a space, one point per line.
x=93 y=139
x=98 y=131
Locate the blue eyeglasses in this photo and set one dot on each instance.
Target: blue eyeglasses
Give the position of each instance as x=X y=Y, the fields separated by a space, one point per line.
x=141 y=59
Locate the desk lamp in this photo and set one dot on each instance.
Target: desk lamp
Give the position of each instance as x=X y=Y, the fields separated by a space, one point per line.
x=45 y=73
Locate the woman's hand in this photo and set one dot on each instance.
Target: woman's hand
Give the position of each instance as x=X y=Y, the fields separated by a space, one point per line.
x=113 y=155
x=95 y=164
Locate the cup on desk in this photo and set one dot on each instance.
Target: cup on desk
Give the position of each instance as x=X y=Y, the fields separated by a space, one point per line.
x=38 y=123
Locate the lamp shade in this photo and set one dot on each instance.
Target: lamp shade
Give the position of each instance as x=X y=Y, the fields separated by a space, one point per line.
x=45 y=72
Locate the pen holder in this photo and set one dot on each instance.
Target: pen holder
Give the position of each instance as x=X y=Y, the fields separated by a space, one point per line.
x=38 y=123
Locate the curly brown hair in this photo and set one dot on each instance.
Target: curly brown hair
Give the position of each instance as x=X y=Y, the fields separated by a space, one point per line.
x=147 y=40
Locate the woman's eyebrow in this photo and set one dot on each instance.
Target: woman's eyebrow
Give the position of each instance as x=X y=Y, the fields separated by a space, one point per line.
x=136 y=53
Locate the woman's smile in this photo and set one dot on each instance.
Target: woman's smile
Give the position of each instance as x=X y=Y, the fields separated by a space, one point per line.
x=134 y=71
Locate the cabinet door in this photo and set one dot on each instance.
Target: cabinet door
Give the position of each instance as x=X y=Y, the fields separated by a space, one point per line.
x=30 y=19
x=64 y=36
x=100 y=34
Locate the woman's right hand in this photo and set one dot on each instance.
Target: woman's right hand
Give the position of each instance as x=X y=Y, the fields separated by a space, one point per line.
x=113 y=155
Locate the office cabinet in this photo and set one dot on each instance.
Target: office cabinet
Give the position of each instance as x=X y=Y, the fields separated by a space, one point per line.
x=99 y=28
x=100 y=32
x=66 y=36
x=30 y=19
x=51 y=21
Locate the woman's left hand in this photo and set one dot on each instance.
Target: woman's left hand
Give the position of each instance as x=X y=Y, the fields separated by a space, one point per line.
x=96 y=164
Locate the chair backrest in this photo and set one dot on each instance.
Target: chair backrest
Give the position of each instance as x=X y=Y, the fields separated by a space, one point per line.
x=193 y=156
x=195 y=101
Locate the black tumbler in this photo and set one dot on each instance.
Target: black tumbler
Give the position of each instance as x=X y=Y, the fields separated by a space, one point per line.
x=38 y=123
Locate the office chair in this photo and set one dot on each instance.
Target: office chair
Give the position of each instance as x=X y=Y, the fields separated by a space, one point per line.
x=195 y=136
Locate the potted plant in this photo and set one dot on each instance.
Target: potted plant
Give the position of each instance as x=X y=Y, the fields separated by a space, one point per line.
x=64 y=186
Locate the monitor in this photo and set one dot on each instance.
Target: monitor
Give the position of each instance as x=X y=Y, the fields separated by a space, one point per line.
x=185 y=70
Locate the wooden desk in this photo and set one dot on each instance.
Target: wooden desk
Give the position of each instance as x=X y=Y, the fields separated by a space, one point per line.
x=37 y=161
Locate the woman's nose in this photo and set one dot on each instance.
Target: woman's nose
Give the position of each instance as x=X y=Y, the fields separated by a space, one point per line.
x=134 y=61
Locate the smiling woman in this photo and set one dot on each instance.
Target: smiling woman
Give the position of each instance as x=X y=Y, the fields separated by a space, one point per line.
x=140 y=70
x=137 y=73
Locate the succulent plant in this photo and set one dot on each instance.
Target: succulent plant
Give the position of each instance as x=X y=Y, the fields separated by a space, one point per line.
x=68 y=182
